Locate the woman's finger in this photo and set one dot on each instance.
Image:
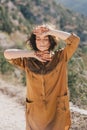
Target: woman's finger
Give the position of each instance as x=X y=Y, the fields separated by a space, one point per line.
x=40 y=29
x=47 y=59
x=41 y=59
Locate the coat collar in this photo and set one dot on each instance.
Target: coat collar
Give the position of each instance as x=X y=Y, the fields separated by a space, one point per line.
x=43 y=68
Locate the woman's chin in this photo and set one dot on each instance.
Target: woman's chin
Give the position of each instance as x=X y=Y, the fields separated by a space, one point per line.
x=44 y=49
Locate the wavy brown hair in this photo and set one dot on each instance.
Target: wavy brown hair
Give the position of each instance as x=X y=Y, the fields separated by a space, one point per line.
x=32 y=42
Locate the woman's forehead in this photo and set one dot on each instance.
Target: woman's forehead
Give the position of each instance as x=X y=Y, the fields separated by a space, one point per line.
x=41 y=37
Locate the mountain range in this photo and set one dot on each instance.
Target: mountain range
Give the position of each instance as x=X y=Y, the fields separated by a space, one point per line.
x=75 y=5
x=23 y=15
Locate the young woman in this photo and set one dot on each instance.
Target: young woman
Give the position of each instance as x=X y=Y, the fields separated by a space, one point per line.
x=47 y=100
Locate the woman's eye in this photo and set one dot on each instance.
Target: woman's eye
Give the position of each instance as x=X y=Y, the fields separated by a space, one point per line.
x=38 y=39
x=45 y=39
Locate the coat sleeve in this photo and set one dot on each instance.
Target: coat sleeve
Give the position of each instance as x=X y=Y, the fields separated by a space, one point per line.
x=71 y=45
x=18 y=62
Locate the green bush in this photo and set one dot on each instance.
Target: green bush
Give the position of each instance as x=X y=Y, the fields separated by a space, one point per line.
x=5 y=24
x=23 y=79
x=4 y=65
x=77 y=80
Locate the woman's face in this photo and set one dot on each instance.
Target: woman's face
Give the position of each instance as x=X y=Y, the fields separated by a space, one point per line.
x=42 y=43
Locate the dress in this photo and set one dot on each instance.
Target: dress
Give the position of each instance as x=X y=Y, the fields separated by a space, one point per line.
x=47 y=98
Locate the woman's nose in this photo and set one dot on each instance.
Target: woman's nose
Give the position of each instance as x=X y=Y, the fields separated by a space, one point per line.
x=42 y=42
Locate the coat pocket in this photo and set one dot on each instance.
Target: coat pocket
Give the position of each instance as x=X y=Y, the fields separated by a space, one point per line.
x=28 y=105
x=63 y=103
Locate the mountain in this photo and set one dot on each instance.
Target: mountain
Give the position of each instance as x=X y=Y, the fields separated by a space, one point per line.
x=75 y=5
x=23 y=15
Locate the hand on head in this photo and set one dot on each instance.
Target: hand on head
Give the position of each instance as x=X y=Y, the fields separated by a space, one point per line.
x=41 y=30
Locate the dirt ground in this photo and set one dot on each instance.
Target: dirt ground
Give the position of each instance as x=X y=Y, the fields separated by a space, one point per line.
x=12 y=115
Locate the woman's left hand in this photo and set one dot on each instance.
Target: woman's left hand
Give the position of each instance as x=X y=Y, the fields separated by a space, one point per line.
x=45 y=55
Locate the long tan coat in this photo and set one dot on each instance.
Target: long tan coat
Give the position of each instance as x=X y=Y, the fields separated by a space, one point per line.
x=47 y=101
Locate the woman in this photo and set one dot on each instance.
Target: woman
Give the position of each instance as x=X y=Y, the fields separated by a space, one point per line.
x=47 y=101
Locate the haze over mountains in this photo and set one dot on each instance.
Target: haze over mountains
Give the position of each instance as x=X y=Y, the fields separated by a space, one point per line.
x=75 y=5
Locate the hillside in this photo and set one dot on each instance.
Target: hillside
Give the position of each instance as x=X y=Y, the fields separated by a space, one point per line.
x=17 y=17
x=75 y=5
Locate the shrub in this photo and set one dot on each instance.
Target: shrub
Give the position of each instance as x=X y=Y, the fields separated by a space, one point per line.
x=5 y=24
x=4 y=65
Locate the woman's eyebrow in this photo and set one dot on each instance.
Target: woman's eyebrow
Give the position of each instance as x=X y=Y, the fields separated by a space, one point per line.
x=37 y=37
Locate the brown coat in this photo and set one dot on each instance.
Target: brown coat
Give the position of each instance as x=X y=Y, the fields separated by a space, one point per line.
x=47 y=101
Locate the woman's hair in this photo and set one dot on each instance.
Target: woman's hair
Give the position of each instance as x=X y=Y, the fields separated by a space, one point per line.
x=32 y=42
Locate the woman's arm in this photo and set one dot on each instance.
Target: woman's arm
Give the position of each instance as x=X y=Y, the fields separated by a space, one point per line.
x=59 y=34
x=71 y=40
x=44 y=31
x=18 y=53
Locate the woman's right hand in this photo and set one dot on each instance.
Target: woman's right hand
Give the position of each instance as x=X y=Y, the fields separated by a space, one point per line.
x=40 y=30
